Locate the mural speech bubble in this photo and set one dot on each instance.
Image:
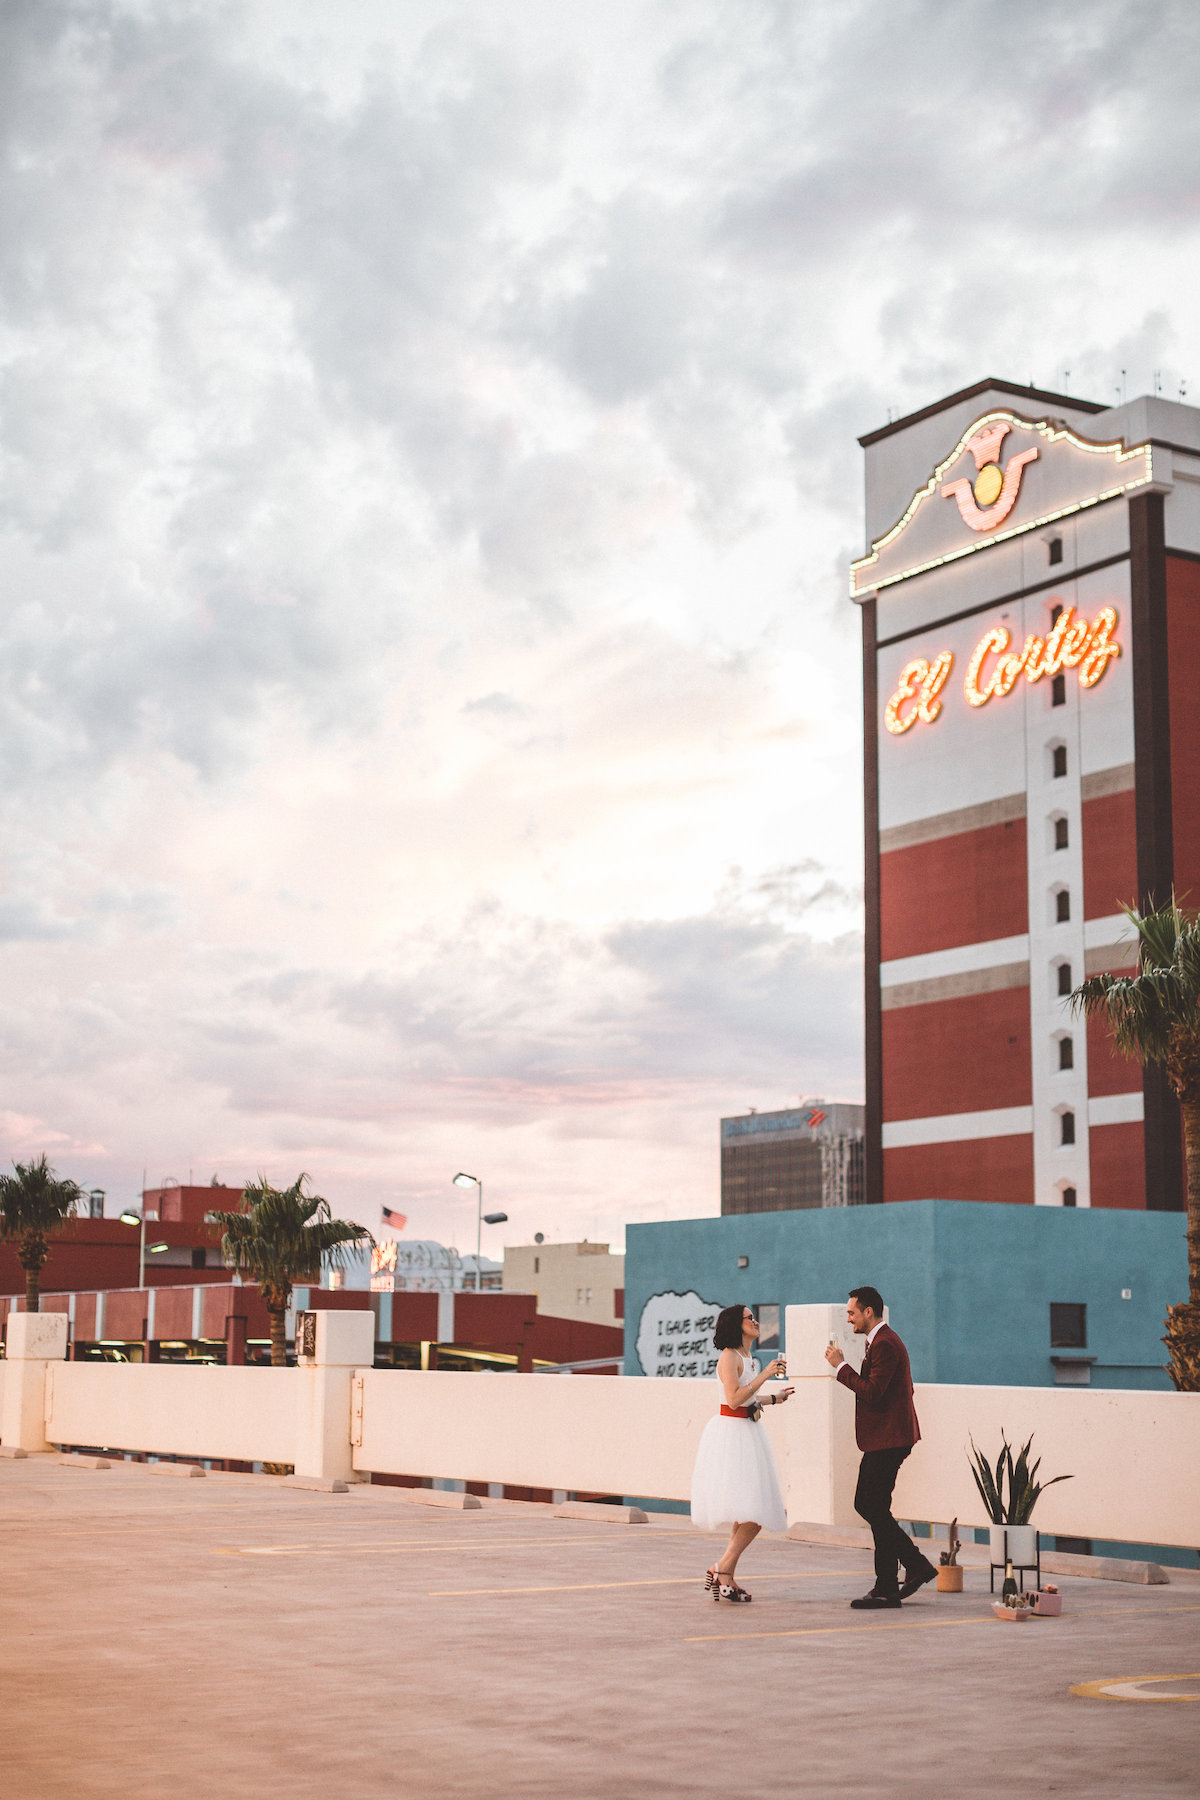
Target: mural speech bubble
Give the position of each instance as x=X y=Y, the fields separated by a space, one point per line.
x=675 y=1334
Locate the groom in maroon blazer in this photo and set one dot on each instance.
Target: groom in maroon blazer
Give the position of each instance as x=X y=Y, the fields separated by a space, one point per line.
x=885 y=1424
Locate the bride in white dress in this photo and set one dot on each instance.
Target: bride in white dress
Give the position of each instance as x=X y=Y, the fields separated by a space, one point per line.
x=735 y=1482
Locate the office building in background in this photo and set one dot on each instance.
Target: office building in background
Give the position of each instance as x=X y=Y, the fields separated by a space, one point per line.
x=809 y=1155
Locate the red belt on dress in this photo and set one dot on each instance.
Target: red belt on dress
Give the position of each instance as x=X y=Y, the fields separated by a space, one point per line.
x=735 y=1412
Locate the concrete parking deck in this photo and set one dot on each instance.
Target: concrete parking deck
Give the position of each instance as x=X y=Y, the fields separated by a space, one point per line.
x=215 y=1639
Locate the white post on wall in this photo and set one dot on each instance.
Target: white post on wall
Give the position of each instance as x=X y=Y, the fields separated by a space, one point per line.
x=35 y=1342
x=344 y=1342
x=822 y=1459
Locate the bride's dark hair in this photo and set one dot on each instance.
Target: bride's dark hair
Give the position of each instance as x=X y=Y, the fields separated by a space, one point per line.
x=728 y=1335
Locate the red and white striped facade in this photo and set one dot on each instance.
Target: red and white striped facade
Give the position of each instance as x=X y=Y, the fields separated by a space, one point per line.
x=1031 y=627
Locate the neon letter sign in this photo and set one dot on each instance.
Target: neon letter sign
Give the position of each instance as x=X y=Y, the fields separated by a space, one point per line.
x=922 y=681
x=1072 y=643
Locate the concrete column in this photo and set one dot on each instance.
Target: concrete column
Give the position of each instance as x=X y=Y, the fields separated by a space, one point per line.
x=820 y=1454
x=35 y=1342
x=235 y=1341
x=345 y=1342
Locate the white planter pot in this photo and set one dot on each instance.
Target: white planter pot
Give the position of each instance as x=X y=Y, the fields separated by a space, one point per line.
x=1021 y=1543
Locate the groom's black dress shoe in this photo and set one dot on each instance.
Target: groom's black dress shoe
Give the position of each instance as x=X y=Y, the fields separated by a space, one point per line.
x=913 y=1582
x=872 y=1602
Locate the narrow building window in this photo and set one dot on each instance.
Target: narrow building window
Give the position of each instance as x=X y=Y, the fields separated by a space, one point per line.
x=537 y=1265
x=1066 y=1053
x=1065 y=983
x=1055 y=614
x=1069 y=1197
x=1061 y=834
x=768 y=1325
x=1068 y=1321
x=1062 y=906
x=1068 y=1128
x=1060 y=759
x=1058 y=691
x=1055 y=548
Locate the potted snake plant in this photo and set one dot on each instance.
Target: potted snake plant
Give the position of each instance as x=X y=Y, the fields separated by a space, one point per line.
x=1009 y=1494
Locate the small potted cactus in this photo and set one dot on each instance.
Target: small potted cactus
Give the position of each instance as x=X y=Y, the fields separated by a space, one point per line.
x=1016 y=1608
x=950 y=1575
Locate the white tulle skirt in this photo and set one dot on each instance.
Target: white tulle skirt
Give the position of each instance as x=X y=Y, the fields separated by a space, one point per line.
x=735 y=1481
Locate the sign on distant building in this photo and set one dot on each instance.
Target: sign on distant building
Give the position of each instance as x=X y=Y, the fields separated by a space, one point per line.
x=383 y=1268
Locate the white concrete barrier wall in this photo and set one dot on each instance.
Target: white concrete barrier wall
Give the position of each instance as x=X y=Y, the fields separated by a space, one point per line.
x=1134 y=1458
x=247 y=1414
x=595 y=1433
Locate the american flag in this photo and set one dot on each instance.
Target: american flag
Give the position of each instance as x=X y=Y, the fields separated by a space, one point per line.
x=815 y=1118
x=397 y=1221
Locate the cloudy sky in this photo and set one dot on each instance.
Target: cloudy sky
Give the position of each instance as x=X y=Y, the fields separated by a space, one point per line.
x=429 y=713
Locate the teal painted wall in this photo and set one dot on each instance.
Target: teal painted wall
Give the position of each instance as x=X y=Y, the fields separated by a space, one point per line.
x=969 y=1285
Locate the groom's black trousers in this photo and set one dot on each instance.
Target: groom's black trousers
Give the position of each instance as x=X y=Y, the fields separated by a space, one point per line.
x=873 y=1502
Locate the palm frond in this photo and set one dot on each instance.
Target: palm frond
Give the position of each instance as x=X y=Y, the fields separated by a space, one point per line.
x=1154 y=1014
x=284 y=1235
x=35 y=1199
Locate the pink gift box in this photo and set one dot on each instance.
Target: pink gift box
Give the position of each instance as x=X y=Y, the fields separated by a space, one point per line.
x=1047 y=1606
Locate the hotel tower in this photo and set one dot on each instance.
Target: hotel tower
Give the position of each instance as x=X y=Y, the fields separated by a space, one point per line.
x=1031 y=651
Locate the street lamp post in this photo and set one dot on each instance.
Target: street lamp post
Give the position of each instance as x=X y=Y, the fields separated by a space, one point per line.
x=139 y=1219
x=462 y=1179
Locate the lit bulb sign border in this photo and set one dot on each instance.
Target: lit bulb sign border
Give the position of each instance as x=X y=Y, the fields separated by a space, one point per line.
x=1072 y=643
x=863 y=585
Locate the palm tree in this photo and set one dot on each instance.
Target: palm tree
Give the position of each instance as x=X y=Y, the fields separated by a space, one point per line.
x=34 y=1203
x=283 y=1236
x=1155 y=1016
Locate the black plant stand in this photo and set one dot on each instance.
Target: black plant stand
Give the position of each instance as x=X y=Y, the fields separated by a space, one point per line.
x=1018 y=1568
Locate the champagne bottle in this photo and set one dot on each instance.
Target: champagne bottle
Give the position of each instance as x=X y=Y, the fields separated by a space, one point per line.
x=1008 y=1592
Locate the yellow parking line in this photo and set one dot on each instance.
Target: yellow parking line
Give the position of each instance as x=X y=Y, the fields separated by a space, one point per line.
x=710 y=1637
x=578 y=1587
x=1127 y=1687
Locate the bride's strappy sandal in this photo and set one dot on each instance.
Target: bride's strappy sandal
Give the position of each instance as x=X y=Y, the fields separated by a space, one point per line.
x=729 y=1590
x=712 y=1579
